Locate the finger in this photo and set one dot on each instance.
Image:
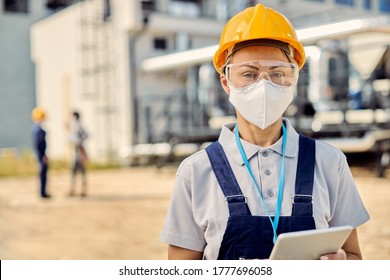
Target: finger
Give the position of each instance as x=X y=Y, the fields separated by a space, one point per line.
x=339 y=255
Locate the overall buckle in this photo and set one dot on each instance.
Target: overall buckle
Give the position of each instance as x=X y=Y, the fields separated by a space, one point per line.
x=304 y=197
x=235 y=198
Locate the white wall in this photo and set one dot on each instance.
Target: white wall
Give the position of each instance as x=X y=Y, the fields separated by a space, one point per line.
x=54 y=51
x=63 y=49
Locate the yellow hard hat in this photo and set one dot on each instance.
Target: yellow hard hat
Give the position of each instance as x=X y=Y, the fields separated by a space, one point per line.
x=38 y=114
x=258 y=22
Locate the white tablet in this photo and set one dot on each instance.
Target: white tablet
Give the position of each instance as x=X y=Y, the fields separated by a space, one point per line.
x=309 y=244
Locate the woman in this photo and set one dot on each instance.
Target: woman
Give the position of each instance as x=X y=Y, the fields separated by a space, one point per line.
x=261 y=178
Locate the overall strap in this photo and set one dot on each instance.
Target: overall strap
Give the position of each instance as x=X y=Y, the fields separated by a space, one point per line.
x=227 y=181
x=302 y=202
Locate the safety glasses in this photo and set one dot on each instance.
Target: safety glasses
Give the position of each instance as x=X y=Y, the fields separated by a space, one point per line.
x=242 y=75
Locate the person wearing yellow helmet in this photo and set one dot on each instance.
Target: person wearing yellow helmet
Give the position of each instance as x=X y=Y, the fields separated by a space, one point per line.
x=38 y=116
x=233 y=199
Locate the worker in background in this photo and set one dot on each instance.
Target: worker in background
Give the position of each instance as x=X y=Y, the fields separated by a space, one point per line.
x=78 y=135
x=39 y=145
x=261 y=178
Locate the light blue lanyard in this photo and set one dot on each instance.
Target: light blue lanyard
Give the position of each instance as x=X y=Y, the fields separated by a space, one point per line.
x=275 y=221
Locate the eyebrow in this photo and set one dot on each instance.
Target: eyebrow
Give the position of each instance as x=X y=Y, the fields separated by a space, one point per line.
x=257 y=68
x=250 y=66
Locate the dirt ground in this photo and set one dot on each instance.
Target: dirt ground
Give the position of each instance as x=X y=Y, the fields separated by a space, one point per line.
x=123 y=215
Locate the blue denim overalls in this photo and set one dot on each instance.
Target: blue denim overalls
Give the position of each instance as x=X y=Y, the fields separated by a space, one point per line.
x=251 y=237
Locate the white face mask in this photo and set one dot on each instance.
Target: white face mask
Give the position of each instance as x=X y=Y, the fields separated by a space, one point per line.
x=262 y=104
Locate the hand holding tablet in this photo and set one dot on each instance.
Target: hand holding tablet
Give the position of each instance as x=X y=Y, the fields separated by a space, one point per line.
x=309 y=244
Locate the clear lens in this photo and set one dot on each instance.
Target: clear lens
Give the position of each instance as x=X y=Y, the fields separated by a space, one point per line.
x=241 y=75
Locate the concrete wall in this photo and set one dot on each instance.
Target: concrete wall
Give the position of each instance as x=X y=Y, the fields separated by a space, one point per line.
x=17 y=90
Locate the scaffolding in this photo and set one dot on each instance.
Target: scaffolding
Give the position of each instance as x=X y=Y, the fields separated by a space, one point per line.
x=99 y=73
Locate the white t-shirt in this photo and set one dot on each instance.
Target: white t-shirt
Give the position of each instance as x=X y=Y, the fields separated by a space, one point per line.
x=198 y=213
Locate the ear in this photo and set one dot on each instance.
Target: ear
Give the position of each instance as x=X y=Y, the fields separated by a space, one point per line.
x=224 y=83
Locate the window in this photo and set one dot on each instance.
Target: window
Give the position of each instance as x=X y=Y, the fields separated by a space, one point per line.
x=338 y=75
x=384 y=6
x=346 y=2
x=185 y=8
x=367 y=4
x=18 y=6
x=160 y=44
x=148 y=5
x=55 y=4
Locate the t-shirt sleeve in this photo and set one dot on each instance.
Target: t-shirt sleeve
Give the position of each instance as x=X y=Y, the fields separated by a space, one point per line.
x=348 y=208
x=180 y=228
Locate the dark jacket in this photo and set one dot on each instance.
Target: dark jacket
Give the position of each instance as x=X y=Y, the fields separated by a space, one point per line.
x=39 y=140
